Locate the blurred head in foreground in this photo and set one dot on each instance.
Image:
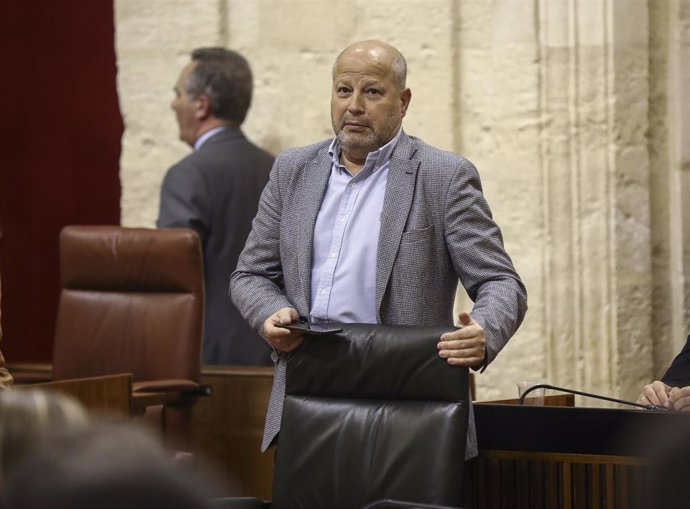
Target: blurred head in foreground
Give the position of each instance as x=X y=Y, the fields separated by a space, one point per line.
x=104 y=466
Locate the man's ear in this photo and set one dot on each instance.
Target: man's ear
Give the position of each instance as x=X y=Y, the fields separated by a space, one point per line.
x=203 y=108
x=405 y=98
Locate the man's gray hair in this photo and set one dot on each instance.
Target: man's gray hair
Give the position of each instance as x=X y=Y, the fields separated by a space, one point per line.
x=224 y=76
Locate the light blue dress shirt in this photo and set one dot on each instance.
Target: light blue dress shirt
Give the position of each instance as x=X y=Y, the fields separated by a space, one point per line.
x=346 y=236
x=202 y=139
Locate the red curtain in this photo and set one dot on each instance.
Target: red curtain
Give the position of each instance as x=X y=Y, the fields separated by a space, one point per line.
x=60 y=134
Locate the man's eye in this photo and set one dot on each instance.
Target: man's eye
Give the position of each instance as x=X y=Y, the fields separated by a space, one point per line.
x=373 y=91
x=343 y=90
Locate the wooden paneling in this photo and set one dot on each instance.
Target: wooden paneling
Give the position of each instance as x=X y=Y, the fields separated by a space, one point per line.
x=515 y=480
x=227 y=428
x=101 y=394
x=556 y=457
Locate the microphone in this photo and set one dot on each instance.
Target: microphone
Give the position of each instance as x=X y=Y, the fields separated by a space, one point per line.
x=521 y=401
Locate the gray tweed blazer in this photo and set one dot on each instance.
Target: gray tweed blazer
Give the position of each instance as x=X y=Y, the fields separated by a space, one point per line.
x=436 y=228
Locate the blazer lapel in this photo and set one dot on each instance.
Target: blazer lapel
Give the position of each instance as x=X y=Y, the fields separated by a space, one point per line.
x=397 y=202
x=315 y=180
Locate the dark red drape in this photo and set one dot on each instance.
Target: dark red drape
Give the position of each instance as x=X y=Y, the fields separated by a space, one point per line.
x=60 y=133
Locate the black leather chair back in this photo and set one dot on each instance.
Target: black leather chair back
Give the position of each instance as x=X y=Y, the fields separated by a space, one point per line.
x=371 y=413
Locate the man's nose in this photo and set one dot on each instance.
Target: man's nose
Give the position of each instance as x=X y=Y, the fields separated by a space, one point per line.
x=356 y=104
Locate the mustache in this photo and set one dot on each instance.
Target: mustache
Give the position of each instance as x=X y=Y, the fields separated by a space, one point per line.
x=361 y=123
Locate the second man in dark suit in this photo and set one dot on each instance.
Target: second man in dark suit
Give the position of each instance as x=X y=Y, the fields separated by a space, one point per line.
x=216 y=189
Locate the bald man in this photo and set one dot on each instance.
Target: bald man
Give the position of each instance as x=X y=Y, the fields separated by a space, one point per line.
x=375 y=226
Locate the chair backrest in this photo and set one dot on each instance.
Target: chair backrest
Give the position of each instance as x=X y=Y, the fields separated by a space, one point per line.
x=132 y=301
x=371 y=413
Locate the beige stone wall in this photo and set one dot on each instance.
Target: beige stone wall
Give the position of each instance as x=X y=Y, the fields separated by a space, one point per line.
x=576 y=113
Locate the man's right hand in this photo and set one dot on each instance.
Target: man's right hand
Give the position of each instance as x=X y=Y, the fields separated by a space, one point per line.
x=283 y=340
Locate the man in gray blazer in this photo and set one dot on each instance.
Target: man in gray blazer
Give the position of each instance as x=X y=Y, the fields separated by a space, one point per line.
x=375 y=226
x=216 y=189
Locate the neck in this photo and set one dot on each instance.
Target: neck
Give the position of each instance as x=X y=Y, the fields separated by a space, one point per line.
x=353 y=163
x=209 y=124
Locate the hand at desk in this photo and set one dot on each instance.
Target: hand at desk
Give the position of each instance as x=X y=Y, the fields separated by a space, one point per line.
x=679 y=398
x=662 y=395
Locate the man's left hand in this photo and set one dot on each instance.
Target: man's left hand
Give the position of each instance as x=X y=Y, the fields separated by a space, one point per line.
x=679 y=398
x=465 y=346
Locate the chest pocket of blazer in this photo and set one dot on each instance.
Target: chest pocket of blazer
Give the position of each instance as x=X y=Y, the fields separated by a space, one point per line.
x=417 y=235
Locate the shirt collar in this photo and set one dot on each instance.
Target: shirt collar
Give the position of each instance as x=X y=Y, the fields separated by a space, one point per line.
x=374 y=159
x=204 y=137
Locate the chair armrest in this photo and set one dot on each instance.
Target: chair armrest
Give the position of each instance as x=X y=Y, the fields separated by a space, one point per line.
x=166 y=392
x=30 y=373
x=170 y=385
x=239 y=503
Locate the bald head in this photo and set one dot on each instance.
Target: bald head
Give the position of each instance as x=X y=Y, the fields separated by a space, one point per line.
x=368 y=99
x=384 y=54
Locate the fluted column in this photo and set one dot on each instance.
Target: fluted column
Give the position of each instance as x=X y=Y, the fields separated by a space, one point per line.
x=596 y=186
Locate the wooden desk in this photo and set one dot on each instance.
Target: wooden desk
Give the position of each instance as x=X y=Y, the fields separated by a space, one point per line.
x=560 y=457
x=109 y=394
x=227 y=427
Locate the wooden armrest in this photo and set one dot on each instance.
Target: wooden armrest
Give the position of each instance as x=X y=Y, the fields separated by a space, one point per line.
x=109 y=393
x=142 y=400
x=166 y=392
x=171 y=385
x=30 y=373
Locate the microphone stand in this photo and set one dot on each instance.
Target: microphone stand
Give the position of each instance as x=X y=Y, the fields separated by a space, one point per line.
x=521 y=401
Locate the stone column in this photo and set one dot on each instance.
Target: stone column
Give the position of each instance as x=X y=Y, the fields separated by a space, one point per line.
x=554 y=97
x=678 y=111
x=597 y=278
x=498 y=129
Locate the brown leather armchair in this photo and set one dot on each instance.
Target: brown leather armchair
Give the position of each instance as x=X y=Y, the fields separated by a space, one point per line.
x=132 y=301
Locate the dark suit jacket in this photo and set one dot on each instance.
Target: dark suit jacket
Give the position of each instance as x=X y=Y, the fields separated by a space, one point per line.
x=435 y=227
x=216 y=191
x=678 y=373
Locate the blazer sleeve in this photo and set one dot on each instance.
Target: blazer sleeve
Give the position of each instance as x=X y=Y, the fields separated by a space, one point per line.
x=185 y=201
x=678 y=373
x=475 y=244
x=256 y=286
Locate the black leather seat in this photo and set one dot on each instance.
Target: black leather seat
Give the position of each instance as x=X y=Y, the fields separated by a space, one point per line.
x=370 y=413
